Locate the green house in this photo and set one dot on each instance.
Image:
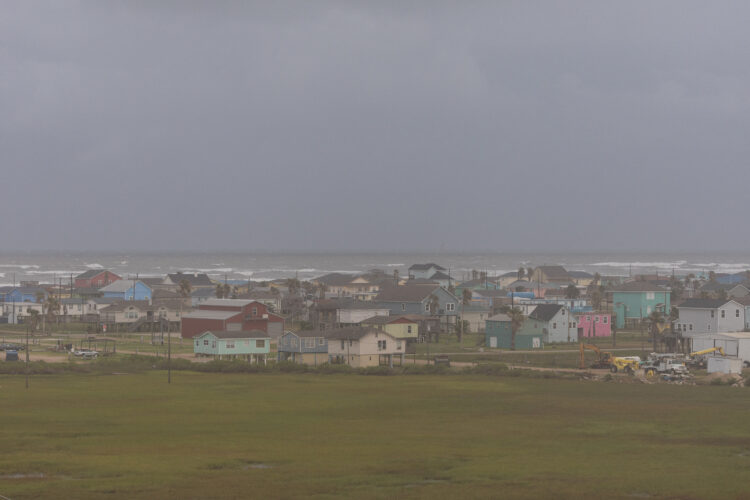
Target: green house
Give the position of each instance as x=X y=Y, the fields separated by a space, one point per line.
x=252 y=346
x=636 y=300
x=498 y=333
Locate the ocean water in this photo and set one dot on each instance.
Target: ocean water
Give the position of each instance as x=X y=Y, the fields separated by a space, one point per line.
x=48 y=267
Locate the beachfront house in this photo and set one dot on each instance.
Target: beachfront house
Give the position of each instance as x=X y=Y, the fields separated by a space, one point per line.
x=426 y=300
x=593 y=324
x=554 y=322
x=498 y=333
x=127 y=290
x=305 y=346
x=400 y=327
x=701 y=316
x=252 y=346
x=362 y=347
x=635 y=300
x=95 y=278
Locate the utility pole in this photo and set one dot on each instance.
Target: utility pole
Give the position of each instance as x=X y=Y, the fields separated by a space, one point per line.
x=27 y=357
x=169 y=350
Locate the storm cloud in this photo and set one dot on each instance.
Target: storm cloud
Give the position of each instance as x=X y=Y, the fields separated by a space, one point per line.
x=374 y=125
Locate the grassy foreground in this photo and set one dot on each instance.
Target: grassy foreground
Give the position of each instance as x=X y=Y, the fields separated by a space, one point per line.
x=345 y=436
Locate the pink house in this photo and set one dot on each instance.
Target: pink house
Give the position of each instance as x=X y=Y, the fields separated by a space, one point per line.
x=593 y=324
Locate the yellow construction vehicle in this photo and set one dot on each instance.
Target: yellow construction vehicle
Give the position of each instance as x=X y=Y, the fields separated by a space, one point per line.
x=698 y=358
x=605 y=359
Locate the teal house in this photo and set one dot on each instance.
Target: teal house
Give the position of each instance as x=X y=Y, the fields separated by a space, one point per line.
x=636 y=300
x=498 y=333
x=253 y=346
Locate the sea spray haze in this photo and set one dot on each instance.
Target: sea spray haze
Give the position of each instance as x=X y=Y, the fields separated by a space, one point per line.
x=45 y=267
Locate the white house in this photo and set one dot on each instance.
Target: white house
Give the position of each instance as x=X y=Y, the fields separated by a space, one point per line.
x=361 y=347
x=701 y=316
x=555 y=323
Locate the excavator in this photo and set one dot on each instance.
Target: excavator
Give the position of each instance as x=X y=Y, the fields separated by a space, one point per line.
x=698 y=359
x=605 y=359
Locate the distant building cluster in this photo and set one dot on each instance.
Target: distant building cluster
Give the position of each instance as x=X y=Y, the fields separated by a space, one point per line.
x=376 y=318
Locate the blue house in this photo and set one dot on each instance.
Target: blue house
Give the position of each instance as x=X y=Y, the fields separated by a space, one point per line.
x=636 y=300
x=23 y=293
x=123 y=289
x=425 y=300
x=307 y=346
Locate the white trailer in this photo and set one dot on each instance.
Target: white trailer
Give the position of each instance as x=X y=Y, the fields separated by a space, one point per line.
x=735 y=344
x=720 y=364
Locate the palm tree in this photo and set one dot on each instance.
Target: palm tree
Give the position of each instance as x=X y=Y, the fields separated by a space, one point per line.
x=655 y=321
x=33 y=318
x=219 y=291
x=596 y=299
x=516 y=322
x=434 y=304
x=597 y=278
x=466 y=296
x=185 y=288
x=521 y=273
x=572 y=292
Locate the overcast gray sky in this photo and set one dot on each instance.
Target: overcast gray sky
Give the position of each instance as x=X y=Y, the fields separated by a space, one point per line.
x=373 y=125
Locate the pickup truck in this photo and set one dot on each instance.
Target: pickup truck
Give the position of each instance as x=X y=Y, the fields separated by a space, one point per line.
x=663 y=365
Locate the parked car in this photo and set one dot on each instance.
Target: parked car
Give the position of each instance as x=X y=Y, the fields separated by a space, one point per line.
x=86 y=353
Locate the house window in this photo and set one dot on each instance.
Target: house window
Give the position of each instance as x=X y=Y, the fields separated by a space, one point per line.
x=255 y=311
x=649 y=295
x=230 y=345
x=398 y=345
x=260 y=344
x=403 y=307
x=588 y=318
x=205 y=342
x=427 y=307
x=381 y=345
x=213 y=344
x=713 y=313
x=342 y=345
x=723 y=313
x=310 y=342
x=450 y=306
x=736 y=313
x=554 y=326
x=197 y=343
x=596 y=319
x=408 y=328
x=606 y=319
x=321 y=341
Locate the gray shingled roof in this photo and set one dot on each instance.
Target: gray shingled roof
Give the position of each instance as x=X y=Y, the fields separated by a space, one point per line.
x=545 y=312
x=405 y=293
x=335 y=279
x=227 y=334
x=195 y=279
x=639 y=286
x=350 y=333
x=702 y=303
x=426 y=267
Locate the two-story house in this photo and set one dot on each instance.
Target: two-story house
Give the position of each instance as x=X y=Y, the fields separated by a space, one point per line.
x=305 y=346
x=426 y=300
x=362 y=347
x=635 y=300
x=701 y=316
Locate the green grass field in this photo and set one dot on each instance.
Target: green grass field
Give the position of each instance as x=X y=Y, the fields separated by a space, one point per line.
x=349 y=436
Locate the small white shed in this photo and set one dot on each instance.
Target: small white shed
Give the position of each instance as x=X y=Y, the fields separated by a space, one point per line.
x=720 y=364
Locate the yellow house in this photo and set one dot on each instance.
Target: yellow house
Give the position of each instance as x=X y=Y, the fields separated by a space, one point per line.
x=398 y=327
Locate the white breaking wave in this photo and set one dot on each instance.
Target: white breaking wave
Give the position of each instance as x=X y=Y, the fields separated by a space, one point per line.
x=658 y=265
x=21 y=266
x=94 y=266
